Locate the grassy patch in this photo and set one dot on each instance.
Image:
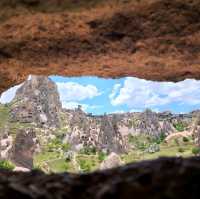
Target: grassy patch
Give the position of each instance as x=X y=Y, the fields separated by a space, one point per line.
x=88 y=163
x=165 y=151
x=4 y=164
x=4 y=116
x=179 y=127
x=59 y=165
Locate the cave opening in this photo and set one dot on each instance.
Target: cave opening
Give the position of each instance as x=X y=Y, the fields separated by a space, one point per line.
x=82 y=124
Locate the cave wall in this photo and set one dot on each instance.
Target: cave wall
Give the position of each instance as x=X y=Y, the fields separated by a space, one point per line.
x=155 y=39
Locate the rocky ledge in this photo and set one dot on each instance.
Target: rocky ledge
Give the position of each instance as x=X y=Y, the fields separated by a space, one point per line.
x=165 y=178
x=155 y=39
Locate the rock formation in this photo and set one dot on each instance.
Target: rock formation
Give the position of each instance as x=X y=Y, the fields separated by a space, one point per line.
x=156 y=39
x=172 y=178
x=6 y=143
x=169 y=51
x=112 y=161
x=110 y=132
x=24 y=147
x=37 y=101
x=100 y=132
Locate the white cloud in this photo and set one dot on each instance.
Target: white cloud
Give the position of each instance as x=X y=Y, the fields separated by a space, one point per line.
x=71 y=91
x=114 y=91
x=8 y=95
x=140 y=94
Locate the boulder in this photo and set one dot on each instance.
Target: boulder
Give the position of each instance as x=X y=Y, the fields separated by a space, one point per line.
x=24 y=148
x=113 y=160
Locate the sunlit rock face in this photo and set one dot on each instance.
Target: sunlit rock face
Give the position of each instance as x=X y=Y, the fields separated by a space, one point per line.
x=24 y=147
x=112 y=161
x=100 y=132
x=37 y=101
x=111 y=132
x=6 y=143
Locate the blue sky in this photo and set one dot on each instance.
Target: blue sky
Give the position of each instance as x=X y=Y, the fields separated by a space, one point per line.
x=97 y=95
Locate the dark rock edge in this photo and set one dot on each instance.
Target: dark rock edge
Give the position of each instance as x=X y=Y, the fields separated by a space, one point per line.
x=164 y=178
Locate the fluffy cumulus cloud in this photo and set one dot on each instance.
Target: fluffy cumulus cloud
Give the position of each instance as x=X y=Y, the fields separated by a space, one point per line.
x=72 y=91
x=140 y=94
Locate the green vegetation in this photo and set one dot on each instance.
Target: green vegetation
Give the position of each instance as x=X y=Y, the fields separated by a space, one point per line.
x=196 y=150
x=88 y=151
x=53 y=155
x=88 y=163
x=165 y=151
x=5 y=122
x=180 y=150
x=143 y=142
x=89 y=158
x=182 y=146
x=159 y=139
x=185 y=139
x=4 y=115
x=56 y=144
x=179 y=127
x=5 y=164
x=102 y=156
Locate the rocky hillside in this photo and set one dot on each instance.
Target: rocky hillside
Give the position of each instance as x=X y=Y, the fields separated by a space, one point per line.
x=35 y=123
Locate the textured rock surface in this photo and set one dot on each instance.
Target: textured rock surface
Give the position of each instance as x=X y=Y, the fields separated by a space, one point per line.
x=37 y=104
x=112 y=161
x=37 y=101
x=170 y=178
x=154 y=39
x=111 y=132
x=24 y=147
x=172 y=55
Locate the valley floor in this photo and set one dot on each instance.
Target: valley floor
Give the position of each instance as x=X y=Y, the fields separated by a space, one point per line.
x=56 y=162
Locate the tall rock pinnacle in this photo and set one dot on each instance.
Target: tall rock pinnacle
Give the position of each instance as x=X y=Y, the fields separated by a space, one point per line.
x=37 y=101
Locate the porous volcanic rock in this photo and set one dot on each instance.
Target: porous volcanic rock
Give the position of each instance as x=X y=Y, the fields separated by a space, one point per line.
x=37 y=101
x=154 y=39
x=112 y=161
x=171 y=178
x=24 y=147
x=171 y=52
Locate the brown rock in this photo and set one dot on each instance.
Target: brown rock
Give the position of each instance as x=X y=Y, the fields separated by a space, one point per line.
x=172 y=178
x=24 y=147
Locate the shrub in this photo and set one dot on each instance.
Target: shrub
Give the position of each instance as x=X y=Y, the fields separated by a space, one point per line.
x=88 y=151
x=179 y=127
x=101 y=156
x=65 y=146
x=56 y=144
x=185 y=139
x=196 y=150
x=159 y=139
x=180 y=150
x=140 y=142
x=4 y=164
x=85 y=165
